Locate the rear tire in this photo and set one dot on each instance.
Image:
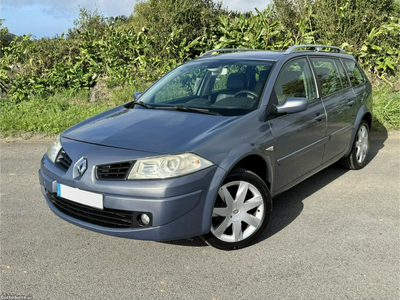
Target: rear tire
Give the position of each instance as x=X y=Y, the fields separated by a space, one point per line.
x=241 y=211
x=357 y=159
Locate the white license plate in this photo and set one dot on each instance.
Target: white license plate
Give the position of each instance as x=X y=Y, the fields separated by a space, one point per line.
x=80 y=196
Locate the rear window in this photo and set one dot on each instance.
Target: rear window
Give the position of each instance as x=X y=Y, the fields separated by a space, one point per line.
x=355 y=74
x=328 y=75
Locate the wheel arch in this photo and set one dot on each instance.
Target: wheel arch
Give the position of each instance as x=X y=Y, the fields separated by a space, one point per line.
x=364 y=114
x=368 y=118
x=256 y=164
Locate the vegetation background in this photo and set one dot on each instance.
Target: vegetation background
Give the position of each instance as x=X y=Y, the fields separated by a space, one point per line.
x=50 y=84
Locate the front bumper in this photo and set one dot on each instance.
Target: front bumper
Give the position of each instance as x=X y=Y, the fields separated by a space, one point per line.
x=180 y=207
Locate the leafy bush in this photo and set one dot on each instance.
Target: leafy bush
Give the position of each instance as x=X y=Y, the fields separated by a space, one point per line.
x=349 y=22
x=380 y=52
x=162 y=34
x=259 y=31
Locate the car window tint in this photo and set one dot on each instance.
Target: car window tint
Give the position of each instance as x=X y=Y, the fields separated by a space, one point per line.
x=327 y=74
x=295 y=80
x=261 y=75
x=182 y=86
x=261 y=72
x=355 y=75
x=343 y=75
x=191 y=85
x=221 y=81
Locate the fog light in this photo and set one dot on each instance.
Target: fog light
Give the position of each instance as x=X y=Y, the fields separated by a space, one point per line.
x=145 y=219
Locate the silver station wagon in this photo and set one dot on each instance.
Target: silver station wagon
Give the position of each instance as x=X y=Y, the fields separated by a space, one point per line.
x=206 y=148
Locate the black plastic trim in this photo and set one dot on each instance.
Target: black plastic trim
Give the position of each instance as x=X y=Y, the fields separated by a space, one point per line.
x=114 y=171
x=107 y=217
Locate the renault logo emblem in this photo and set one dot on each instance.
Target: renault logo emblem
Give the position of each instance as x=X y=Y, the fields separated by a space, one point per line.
x=82 y=166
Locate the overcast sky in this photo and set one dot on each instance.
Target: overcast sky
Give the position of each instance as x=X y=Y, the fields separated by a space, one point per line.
x=49 y=17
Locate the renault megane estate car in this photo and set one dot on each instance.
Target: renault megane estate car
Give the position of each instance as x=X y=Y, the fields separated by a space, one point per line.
x=205 y=149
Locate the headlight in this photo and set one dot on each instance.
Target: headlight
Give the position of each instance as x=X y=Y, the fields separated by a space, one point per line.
x=54 y=149
x=168 y=166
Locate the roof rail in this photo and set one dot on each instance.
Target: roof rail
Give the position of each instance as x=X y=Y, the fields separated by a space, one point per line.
x=316 y=47
x=211 y=52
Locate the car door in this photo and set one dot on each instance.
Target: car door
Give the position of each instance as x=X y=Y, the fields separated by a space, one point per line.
x=298 y=138
x=340 y=104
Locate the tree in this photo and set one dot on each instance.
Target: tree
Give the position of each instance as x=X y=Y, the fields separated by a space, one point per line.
x=295 y=17
x=88 y=21
x=177 y=19
x=3 y=34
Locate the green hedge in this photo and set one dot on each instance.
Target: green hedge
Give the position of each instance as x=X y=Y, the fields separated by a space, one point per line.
x=161 y=34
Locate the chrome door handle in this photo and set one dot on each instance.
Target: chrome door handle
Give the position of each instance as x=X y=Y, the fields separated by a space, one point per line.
x=319 y=117
x=350 y=103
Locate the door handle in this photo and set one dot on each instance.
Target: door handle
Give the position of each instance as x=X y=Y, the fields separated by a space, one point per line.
x=319 y=117
x=350 y=103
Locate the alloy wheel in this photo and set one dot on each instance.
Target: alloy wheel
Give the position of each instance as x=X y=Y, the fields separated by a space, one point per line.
x=238 y=211
x=362 y=144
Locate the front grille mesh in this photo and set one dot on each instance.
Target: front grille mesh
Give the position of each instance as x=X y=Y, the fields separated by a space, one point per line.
x=63 y=160
x=112 y=218
x=118 y=171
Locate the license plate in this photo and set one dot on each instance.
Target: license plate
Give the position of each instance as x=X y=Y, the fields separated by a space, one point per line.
x=80 y=196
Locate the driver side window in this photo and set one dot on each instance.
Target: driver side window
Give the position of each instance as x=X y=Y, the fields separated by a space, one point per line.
x=295 y=80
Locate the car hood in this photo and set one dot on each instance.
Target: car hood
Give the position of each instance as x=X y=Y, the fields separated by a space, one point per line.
x=160 y=131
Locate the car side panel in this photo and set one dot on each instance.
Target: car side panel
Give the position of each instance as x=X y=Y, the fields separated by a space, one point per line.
x=364 y=106
x=341 y=109
x=298 y=143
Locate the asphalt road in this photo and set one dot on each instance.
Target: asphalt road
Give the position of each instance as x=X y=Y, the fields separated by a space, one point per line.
x=334 y=236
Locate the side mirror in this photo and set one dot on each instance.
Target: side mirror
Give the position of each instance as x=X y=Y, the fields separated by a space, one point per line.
x=292 y=105
x=137 y=95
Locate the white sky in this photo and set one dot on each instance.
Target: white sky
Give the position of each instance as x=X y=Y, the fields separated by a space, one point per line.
x=245 y=5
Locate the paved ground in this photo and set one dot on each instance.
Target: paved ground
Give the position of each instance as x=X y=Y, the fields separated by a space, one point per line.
x=335 y=236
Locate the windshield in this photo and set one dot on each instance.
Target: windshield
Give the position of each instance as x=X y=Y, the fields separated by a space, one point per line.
x=225 y=87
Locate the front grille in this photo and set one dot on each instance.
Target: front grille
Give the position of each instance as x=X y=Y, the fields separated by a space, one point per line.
x=112 y=218
x=118 y=171
x=63 y=160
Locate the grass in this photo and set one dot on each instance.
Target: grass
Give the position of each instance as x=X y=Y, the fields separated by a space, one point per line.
x=53 y=114
x=386 y=108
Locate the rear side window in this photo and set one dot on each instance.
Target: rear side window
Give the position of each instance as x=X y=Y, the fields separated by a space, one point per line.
x=295 y=80
x=328 y=75
x=343 y=75
x=355 y=74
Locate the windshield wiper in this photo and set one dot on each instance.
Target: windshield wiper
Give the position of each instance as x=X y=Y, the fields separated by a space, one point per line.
x=188 y=109
x=141 y=103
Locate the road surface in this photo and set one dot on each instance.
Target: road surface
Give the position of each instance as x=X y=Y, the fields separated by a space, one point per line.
x=334 y=236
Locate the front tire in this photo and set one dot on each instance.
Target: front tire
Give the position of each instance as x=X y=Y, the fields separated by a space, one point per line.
x=241 y=211
x=357 y=159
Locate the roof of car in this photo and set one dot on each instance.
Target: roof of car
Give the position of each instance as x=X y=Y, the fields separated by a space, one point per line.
x=259 y=54
x=272 y=55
